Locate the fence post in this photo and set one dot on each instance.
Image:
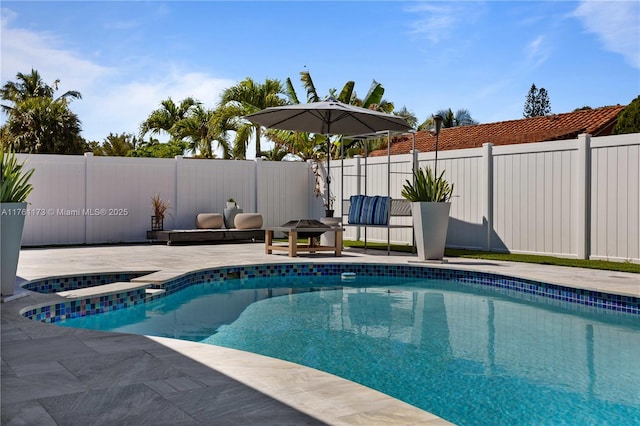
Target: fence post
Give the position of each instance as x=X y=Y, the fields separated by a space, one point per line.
x=88 y=187
x=257 y=172
x=176 y=191
x=583 y=185
x=487 y=155
x=358 y=174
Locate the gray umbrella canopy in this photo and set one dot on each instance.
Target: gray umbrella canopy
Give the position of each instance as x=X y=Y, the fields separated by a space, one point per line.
x=328 y=117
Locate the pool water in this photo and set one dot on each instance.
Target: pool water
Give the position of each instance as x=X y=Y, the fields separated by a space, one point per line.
x=465 y=353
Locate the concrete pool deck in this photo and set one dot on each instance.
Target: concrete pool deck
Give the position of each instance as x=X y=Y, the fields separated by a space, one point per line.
x=60 y=376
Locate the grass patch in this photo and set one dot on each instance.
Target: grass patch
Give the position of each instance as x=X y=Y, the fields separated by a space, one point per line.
x=511 y=257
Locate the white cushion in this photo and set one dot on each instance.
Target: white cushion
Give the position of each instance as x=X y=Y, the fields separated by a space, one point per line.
x=209 y=221
x=248 y=221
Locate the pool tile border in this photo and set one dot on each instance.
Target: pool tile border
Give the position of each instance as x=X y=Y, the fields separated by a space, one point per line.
x=516 y=287
x=73 y=282
x=51 y=313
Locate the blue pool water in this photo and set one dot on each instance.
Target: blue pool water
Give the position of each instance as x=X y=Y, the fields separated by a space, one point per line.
x=465 y=353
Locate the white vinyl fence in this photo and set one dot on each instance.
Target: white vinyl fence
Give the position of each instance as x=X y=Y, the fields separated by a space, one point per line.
x=575 y=198
x=92 y=200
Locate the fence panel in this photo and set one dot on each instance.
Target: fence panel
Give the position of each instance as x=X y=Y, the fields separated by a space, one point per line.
x=204 y=186
x=468 y=221
x=615 y=197
x=57 y=201
x=119 y=191
x=535 y=197
x=283 y=191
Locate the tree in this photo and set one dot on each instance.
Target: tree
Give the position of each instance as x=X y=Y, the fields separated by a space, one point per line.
x=629 y=119
x=462 y=117
x=155 y=149
x=408 y=116
x=243 y=99
x=277 y=153
x=537 y=103
x=116 y=145
x=307 y=146
x=165 y=118
x=38 y=122
x=44 y=126
x=31 y=86
x=304 y=145
x=202 y=128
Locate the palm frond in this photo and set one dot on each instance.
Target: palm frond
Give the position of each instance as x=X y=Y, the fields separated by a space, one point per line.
x=307 y=82
x=347 y=92
x=374 y=95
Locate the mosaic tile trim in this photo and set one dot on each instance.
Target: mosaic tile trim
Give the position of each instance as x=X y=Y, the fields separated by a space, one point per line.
x=88 y=306
x=531 y=290
x=56 y=284
x=516 y=286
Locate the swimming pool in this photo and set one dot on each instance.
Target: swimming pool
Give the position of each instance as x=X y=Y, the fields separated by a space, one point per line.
x=470 y=348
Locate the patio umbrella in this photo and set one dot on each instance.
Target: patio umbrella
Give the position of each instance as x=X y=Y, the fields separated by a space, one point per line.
x=328 y=117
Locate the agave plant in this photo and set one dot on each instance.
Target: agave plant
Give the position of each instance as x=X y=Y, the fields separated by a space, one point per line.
x=15 y=187
x=427 y=188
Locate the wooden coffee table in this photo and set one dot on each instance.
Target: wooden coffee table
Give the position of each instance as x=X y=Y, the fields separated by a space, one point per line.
x=293 y=247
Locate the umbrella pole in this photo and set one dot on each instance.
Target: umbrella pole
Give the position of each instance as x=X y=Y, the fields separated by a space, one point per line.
x=329 y=207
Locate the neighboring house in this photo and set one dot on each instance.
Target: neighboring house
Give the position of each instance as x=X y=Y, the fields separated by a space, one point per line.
x=597 y=122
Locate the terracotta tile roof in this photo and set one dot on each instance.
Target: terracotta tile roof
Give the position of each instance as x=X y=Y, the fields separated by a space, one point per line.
x=597 y=122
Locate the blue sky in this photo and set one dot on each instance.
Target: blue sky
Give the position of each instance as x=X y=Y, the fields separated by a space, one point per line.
x=125 y=57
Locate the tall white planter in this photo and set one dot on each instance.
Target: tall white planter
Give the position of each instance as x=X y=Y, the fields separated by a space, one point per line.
x=11 y=225
x=430 y=222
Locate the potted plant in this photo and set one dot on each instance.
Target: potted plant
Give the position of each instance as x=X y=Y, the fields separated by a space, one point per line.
x=430 y=205
x=160 y=208
x=15 y=189
x=231 y=203
x=328 y=206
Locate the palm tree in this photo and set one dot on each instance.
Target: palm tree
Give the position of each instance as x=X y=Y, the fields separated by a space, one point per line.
x=117 y=145
x=44 y=125
x=165 y=118
x=202 y=127
x=246 y=98
x=296 y=141
x=408 y=116
x=462 y=117
x=38 y=122
x=31 y=86
x=301 y=144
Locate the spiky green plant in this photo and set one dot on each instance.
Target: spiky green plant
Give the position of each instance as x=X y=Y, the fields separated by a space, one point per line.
x=427 y=188
x=15 y=187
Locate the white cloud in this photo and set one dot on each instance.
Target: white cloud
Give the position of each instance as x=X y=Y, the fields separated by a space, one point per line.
x=124 y=106
x=111 y=102
x=437 y=20
x=23 y=50
x=616 y=23
x=537 y=51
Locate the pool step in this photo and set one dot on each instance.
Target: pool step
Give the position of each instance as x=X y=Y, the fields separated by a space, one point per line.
x=152 y=293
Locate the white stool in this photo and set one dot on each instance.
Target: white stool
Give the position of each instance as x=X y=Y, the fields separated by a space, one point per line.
x=209 y=221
